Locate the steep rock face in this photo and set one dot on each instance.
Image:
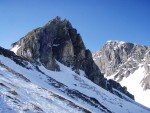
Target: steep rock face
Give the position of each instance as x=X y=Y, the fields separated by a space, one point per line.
x=115 y=53
x=58 y=40
x=127 y=64
x=146 y=64
x=121 y=59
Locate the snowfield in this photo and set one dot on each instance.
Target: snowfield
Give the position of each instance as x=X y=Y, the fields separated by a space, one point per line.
x=34 y=89
x=135 y=87
x=134 y=84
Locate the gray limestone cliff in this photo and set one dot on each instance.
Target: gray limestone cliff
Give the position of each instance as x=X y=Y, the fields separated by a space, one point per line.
x=122 y=59
x=58 y=40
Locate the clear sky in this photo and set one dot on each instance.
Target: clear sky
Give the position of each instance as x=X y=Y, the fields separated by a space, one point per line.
x=96 y=20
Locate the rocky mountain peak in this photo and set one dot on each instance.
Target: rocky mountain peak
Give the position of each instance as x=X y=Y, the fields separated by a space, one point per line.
x=123 y=60
x=59 y=41
x=57 y=20
x=115 y=53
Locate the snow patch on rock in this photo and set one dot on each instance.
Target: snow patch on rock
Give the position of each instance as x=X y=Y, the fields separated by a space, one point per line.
x=15 y=49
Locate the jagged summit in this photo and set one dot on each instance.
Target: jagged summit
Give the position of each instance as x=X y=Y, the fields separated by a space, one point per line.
x=58 y=40
x=58 y=20
x=45 y=40
x=118 y=44
x=121 y=43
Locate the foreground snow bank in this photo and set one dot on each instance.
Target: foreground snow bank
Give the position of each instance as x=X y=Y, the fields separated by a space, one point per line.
x=49 y=91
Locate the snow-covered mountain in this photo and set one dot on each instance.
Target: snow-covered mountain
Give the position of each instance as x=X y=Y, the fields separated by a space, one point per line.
x=26 y=87
x=49 y=70
x=128 y=64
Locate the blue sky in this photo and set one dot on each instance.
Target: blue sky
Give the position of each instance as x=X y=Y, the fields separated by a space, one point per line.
x=96 y=20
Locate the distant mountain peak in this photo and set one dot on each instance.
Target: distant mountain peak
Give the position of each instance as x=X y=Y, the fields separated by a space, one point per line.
x=119 y=61
x=117 y=42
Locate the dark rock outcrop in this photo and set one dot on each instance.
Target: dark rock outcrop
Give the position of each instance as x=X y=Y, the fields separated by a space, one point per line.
x=17 y=59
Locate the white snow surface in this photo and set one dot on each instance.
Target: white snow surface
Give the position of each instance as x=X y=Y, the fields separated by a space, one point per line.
x=20 y=96
x=15 y=49
x=134 y=85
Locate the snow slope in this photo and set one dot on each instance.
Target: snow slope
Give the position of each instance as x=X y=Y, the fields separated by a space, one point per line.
x=134 y=84
x=15 y=49
x=33 y=88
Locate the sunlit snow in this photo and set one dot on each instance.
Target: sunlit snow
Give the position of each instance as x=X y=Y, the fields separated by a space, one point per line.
x=133 y=83
x=15 y=49
x=41 y=96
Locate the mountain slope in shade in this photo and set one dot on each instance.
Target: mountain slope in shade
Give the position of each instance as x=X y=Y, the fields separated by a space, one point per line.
x=128 y=64
x=28 y=87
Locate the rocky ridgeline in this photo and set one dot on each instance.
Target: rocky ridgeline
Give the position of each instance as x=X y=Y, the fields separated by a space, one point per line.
x=123 y=59
x=58 y=40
